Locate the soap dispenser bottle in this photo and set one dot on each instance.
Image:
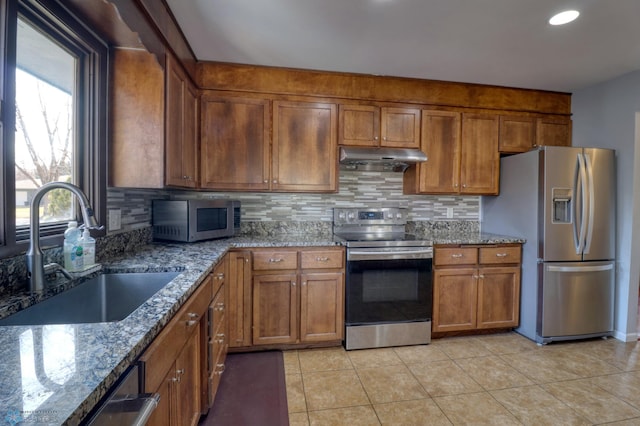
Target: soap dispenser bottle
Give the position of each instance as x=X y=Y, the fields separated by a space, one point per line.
x=88 y=248
x=72 y=247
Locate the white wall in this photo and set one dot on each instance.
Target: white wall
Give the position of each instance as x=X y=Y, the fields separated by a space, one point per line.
x=607 y=115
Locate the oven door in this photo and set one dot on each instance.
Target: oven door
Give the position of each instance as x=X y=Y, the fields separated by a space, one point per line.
x=385 y=286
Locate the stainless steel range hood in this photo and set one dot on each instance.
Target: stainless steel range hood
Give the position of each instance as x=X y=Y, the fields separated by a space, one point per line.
x=379 y=159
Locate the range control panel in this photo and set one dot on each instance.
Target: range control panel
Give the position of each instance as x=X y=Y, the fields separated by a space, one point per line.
x=369 y=216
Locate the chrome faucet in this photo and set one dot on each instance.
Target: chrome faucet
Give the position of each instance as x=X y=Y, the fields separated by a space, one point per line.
x=35 y=257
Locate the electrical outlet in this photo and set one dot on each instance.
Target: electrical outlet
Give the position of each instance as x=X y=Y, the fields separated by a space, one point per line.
x=449 y=212
x=115 y=220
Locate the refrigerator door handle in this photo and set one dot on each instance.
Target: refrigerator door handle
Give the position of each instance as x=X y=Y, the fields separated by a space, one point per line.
x=590 y=202
x=579 y=187
x=552 y=268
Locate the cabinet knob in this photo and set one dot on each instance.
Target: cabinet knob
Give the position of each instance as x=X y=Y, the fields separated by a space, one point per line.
x=481 y=276
x=455 y=185
x=456 y=255
x=375 y=138
x=322 y=259
x=220 y=306
x=502 y=254
x=304 y=283
x=219 y=369
x=293 y=283
x=191 y=323
x=265 y=181
x=275 y=181
x=220 y=276
x=193 y=315
x=464 y=185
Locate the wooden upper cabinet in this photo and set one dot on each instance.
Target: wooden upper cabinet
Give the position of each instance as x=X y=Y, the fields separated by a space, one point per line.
x=235 y=145
x=517 y=134
x=304 y=156
x=359 y=125
x=181 y=127
x=136 y=147
x=480 y=159
x=371 y=125
x=441 y=143
x=553 y=131
x=462 y=155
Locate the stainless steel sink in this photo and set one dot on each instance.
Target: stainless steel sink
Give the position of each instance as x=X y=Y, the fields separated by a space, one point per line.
x=105 y=298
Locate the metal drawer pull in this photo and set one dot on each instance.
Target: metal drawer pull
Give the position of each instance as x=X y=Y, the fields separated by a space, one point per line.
x=272 y=260
x=192 y=315
x=220 y=276
x=219 y=369
x=220 y=306
x=502 y=254
x=322 y=259
x=457 y=255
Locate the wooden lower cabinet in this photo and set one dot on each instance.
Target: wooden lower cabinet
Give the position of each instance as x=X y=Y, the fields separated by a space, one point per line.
x=176 y=363
x=476 y=287
x=238 y=298
x=298 y=296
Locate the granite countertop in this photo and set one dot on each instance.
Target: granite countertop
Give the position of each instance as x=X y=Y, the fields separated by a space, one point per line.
x=56 y=374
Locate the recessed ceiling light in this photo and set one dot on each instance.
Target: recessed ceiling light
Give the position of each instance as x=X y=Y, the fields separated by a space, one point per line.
x=564 y=17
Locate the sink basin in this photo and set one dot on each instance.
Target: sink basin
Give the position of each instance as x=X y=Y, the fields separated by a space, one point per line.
x=105 y=298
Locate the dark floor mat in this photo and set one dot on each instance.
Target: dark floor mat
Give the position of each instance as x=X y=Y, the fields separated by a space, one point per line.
x=252 y=392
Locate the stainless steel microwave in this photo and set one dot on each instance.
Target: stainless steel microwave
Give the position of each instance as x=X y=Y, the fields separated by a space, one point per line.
x=195 y=220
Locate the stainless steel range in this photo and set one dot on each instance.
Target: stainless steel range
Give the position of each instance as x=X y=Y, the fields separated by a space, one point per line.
x=389 y=290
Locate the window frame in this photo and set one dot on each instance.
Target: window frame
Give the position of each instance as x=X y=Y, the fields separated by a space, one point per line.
x=90 y=115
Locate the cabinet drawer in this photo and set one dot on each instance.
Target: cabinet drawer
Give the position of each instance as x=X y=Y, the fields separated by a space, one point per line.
x=499 y=255
x=218 y=310
x=273 y=260
x=455 y=256
x=322 y=259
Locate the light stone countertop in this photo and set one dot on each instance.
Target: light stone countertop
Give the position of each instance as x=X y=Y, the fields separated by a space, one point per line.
x=56 y=374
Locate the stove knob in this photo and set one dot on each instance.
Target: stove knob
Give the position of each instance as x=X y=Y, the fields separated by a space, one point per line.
x=341 y=215
x=398 y=215
x=351 y=215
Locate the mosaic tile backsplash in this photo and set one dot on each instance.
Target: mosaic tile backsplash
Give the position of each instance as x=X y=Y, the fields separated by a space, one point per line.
x=272 y=214
x=374 y=189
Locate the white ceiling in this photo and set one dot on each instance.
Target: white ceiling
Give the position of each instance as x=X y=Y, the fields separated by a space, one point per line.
x=498 y=42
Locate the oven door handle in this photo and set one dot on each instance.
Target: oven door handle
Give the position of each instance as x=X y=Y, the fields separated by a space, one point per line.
x=355 y=255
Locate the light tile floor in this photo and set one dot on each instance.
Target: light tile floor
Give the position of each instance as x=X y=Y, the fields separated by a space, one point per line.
x=500 y=379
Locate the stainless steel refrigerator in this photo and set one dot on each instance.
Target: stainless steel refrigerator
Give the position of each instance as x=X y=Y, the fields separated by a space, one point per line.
x=562 y=201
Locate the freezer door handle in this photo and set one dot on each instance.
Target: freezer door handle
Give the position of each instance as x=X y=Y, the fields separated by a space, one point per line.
x=589 y=268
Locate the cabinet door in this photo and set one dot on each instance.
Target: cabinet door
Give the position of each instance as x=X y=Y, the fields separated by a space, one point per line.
x=239 y=299
x=400 y=127
x=480 y=159
x=517 y=134
x=321 y=306
x=498 y=297
x=188 y=382
x=359 y=125
x=553 y=131
x=455 y=293
x=190 y=136
x=275 y=313
x=440 y=140
x=305 y=154
x=164 y=413
x=235 y=153
x=180 y=127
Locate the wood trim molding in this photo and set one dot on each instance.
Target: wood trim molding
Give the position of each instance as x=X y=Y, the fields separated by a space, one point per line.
x=287 y=81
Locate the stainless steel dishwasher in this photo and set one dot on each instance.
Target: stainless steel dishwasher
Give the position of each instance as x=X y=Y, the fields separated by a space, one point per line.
x=126 y=406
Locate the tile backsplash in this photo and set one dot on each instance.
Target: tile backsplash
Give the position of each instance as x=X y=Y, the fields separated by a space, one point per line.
x=374 y=189
x=269 y=213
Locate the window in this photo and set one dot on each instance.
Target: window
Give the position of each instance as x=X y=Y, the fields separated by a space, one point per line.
x=54 y=119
